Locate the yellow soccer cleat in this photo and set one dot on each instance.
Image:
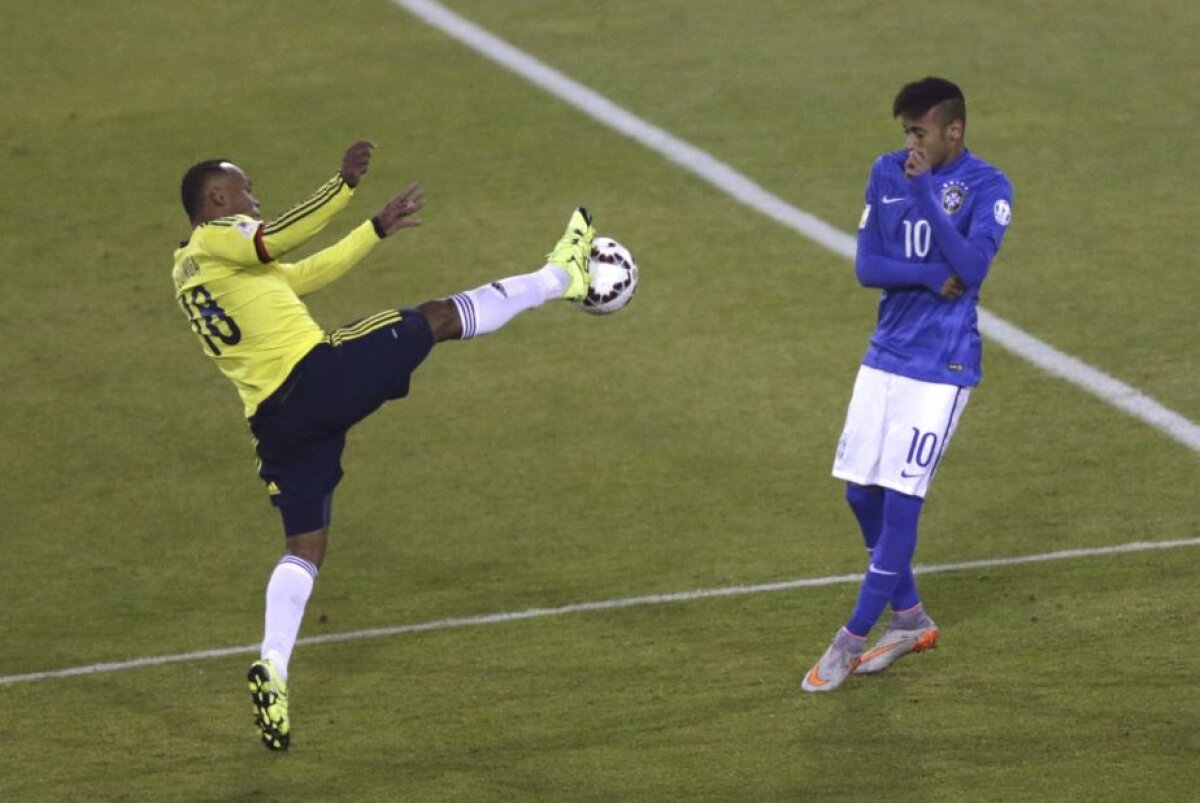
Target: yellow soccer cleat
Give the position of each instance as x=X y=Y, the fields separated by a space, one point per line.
x=269 y=693
x=572 y=253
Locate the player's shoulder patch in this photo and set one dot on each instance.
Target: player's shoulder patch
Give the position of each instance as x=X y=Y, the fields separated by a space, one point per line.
x=1002 y=212
x=243 y=225
x=999 y=191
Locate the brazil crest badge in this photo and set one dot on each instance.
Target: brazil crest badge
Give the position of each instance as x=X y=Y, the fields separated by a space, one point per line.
x=954 y=195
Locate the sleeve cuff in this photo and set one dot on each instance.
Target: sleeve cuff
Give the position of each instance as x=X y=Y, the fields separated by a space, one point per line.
x=260 y=248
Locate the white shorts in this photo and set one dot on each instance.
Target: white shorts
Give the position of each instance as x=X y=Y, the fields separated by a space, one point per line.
x=897 y=430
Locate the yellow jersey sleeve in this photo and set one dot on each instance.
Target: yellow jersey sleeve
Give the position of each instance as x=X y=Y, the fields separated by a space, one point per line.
x=251 y=242
x=311 y=274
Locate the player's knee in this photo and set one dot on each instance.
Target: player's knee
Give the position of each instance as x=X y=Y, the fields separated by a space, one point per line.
x=443 y=318
x=855 y=491
x=310 y=546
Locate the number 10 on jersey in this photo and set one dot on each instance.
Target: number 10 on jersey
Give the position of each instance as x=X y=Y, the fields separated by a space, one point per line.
x=917 y=237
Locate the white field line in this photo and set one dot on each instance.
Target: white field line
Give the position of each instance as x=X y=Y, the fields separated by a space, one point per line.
x=586 y=607
x=725 y=178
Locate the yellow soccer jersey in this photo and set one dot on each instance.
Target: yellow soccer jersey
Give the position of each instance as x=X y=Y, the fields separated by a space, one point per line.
x=245 y=306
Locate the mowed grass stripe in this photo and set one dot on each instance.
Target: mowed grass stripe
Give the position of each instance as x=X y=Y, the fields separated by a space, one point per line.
x=746 y=191
x=588 y=607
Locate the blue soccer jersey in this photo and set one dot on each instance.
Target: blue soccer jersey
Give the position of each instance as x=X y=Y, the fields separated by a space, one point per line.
x=916 y=233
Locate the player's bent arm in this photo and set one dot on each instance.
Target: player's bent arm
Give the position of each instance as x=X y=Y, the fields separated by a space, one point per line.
x=311 y=274
x=260 y=243
x=968 y=259
x=299 y=224
x=875 y=270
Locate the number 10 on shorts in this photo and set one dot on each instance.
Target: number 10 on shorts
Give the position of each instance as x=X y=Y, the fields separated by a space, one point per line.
x=922 y=449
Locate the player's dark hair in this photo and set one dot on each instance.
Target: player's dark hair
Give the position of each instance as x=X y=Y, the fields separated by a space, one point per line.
x=191 y=189
x=917 y=98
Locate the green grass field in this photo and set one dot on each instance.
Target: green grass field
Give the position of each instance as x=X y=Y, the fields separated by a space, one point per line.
x=683 y=444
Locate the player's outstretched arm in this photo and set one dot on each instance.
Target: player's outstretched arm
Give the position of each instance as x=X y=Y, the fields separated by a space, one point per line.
x=306 y=219
x=323 y=267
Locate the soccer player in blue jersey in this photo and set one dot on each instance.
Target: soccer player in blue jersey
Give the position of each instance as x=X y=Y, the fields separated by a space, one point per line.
x=303 y=388
x=935 y=216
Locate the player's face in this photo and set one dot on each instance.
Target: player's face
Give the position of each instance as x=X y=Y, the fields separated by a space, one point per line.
x=237 y=190
x=927 y=135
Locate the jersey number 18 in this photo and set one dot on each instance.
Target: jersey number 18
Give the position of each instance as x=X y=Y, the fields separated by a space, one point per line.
x=216 y=324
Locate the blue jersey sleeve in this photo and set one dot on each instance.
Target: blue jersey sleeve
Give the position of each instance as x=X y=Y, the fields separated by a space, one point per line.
x=991 y=215
x=873 y=269
x=969 y=255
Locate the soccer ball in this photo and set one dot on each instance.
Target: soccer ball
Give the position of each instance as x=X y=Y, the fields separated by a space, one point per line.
x=614 y=277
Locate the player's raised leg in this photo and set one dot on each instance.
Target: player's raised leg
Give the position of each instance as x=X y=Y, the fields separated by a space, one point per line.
x=486 y=309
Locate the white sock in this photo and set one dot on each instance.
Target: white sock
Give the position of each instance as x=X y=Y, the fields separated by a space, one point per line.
x=287 y=594
x=485 y=309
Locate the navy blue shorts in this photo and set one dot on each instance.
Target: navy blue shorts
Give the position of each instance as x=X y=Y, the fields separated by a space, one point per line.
x=300 y=429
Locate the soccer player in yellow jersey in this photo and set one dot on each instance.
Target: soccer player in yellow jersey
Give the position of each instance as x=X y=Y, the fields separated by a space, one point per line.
x=303 y=388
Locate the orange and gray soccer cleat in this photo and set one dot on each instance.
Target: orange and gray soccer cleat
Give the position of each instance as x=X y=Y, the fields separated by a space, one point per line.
x=834 y=667
x=896 y=643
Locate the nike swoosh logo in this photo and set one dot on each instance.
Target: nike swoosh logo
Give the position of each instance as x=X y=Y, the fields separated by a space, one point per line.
x=872 y=568
x=888 y=200
x=908 y=476
x=816 y=681
x=878 y=651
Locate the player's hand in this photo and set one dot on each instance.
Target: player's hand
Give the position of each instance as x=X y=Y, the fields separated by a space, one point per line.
x=952 y=288
x=395 y=214
x=915 y=164
x=356 y=160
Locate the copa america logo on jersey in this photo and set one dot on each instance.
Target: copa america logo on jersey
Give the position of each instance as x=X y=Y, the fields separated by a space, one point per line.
x=954 y=195
x=1002 y=212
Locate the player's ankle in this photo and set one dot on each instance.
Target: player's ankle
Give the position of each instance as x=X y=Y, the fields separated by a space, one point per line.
x=848 y=641
x=913 y=618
